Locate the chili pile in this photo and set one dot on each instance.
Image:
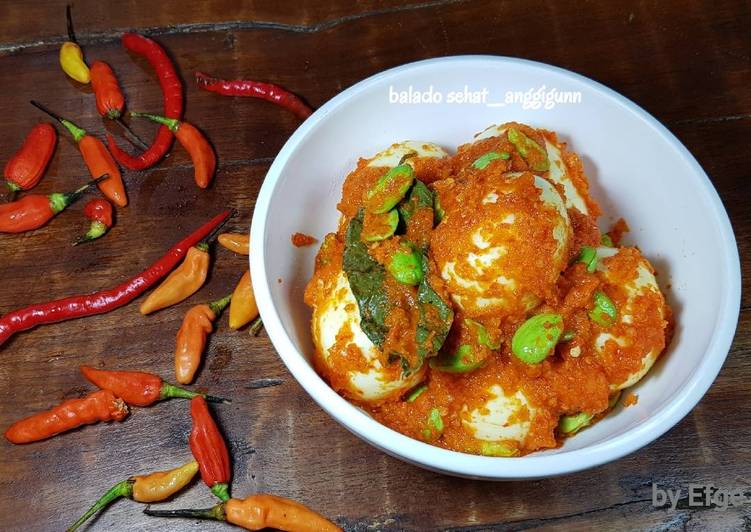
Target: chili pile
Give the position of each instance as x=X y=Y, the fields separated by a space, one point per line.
x=35 y=210
x=199 y=149
x=97 y=158
x=172 y=92
x=106 y=300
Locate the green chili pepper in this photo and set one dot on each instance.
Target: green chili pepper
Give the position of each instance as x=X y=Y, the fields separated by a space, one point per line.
x=588 y=256
x=605 y=240
x=497 y=449
x=416 y=392
x=603 y=312
x=483 y=338
x=435 y=425
x=389 y=189
x=482 y=162
x=536 y=338
x=460 y=362
x=406 y=266
x=389 y=221
x=529 y=149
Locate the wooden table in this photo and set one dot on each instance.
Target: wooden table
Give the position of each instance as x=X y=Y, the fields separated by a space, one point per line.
x=687 y=62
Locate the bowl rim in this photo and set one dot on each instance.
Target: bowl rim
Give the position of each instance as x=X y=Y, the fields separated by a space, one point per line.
x=481 y=467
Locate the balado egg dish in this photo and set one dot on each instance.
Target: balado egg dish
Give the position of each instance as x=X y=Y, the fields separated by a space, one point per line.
x=471 y=302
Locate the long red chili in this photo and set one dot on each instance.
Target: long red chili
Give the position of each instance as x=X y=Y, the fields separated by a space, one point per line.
x=172 y=92
x=255 y=89
x=209 y=449
x=24 y=170
x=106 y=300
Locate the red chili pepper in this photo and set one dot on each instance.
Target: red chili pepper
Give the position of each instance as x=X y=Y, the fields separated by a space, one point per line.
x=201 y=152
x=99 y=211
x=35 y=210
x=98 y=160
x=255 y=89
x=209 y=449
x=101 y=405
x=106 y=300
x=138 y=388
x=24 y=170
x=172 y=91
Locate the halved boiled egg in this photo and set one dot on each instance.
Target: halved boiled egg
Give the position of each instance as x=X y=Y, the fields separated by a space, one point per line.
x=564 y=168
x=632 y=343
x=352 y=363
x=501 y=255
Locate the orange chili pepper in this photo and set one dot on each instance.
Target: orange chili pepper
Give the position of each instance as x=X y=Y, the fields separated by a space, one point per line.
x=209 y=449
x=243 y=308
x=237 y=242
x=35 y=210
x=199 y=149
x=25 y=169
x=138 y=388
x=98 y=160
x=109 y=98
x=182 y=283
x=258 y=512
x=191 y=338
x=101 y=405
x=144 y=488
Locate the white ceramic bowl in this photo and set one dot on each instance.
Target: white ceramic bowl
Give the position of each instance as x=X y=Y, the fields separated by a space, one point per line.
x=638 y=170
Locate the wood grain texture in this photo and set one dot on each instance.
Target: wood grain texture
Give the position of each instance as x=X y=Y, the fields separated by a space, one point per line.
x=686 y=62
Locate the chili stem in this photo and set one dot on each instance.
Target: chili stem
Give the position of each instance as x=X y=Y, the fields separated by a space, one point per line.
x=121 y=489
x=221 y=490
x=213 y=234
x=172 y=123
x=69 y=18
x=131 y=135
x=256 y=326
x=219 y=305
x=77 y=132
x=215 y=512
x=171 y=391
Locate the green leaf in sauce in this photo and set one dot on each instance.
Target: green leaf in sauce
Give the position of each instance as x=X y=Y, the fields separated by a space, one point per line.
x=366 y=278
x=420 y=196
x=436 y=317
